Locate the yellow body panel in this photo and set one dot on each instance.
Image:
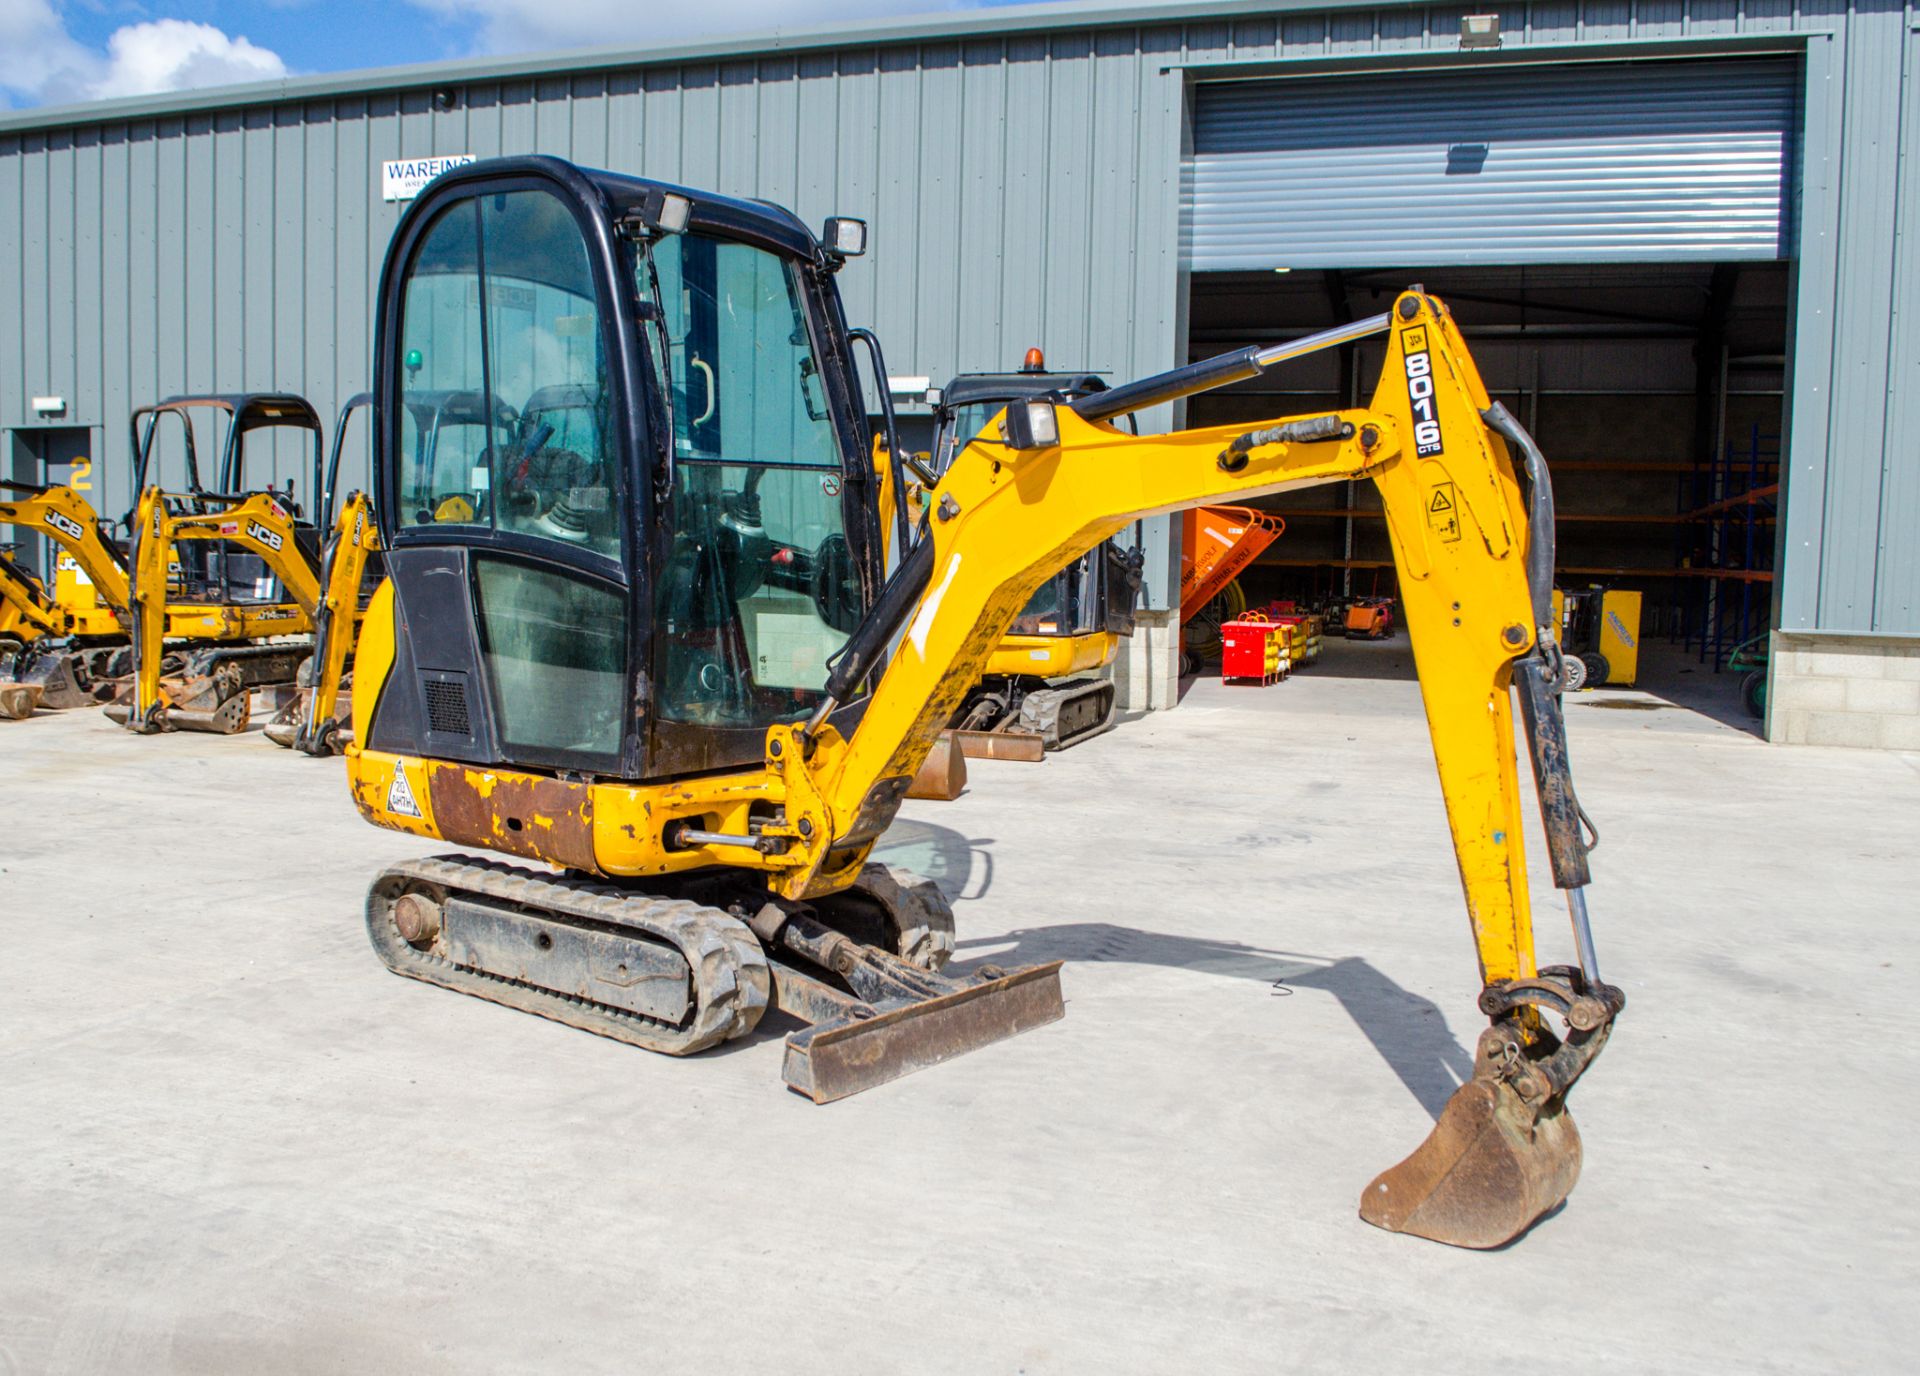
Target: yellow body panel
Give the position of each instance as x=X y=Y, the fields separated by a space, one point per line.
x=1052 y=656
x=75 y=592
x=1457 y=527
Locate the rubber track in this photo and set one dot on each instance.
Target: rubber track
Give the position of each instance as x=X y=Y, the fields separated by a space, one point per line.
x=731 y=983
x=1070 y=699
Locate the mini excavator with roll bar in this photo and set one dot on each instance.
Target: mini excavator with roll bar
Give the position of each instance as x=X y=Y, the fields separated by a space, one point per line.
x=69 y=666
x=184 y=550
x=705 y=711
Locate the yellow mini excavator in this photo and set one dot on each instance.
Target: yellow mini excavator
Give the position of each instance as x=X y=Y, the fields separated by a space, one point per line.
x=667 y=666
x=82 y=644
x=1042 y=688
x=238 y=572
x=27 y=614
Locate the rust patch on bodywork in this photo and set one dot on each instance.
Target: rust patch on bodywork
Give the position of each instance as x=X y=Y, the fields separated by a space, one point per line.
x=540 y=819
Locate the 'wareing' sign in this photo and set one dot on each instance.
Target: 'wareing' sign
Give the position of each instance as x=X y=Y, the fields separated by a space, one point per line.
x=403 y=180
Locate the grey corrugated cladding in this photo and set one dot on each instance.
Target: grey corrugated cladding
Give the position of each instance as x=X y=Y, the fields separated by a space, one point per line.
x=1021 y=170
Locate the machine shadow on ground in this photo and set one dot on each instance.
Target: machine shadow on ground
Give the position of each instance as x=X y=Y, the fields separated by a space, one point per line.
x=1409 y=1031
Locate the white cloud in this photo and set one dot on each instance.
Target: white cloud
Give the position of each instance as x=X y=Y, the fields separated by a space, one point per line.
x=531 y=25
x=45 y=64
x=176 y=55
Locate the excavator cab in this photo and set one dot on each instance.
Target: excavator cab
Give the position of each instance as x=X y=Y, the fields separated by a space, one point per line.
x=669 y=527
x=221 y=558
x=698 y=700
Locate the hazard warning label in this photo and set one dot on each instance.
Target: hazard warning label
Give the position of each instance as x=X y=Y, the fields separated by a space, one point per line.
x=1443 y=511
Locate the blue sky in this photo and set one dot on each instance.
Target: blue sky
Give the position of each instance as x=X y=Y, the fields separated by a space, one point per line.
x=62 y=51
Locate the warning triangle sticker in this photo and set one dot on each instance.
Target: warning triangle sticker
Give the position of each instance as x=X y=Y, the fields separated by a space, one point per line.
x=400 y=796
x=1441 y=502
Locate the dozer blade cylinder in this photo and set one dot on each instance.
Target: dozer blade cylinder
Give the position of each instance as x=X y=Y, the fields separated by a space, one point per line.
x=832 y=1060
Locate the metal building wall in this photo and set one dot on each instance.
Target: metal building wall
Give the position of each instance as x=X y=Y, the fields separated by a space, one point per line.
x=238 y=248
x=1021 y=171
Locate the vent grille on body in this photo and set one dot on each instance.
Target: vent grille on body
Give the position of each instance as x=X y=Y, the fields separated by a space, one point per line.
x=447 y=707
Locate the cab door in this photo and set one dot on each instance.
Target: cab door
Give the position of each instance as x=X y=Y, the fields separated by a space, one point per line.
x=507 y=544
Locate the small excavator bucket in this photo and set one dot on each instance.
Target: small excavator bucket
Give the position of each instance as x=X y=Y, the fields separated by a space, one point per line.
x=17 y=700
x=943 y=775
x=1490 y=1168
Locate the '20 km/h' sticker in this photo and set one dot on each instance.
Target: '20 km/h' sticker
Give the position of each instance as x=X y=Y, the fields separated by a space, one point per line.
x=1426 y=413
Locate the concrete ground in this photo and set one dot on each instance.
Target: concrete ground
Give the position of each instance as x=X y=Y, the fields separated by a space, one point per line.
x=232 y=1142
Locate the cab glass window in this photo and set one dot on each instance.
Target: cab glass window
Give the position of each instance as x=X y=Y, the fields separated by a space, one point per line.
x=760 y=588
x=503 y=405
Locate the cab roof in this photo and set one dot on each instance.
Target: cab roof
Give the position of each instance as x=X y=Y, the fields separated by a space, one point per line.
x=969 y=388
x=249 y=410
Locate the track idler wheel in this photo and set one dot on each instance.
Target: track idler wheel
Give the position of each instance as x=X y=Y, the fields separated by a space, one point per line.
x=1505 y=1151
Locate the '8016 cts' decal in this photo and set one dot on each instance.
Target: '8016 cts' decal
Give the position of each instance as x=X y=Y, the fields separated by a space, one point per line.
x=1426 y=413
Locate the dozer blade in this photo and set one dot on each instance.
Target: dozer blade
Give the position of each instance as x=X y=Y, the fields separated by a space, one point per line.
x=834 y=1059
x=1490 y=1168
x=1023 y=746
x=17 y=700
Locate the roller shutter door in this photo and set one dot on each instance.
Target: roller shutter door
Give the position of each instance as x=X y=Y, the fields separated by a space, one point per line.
x=1596 y=163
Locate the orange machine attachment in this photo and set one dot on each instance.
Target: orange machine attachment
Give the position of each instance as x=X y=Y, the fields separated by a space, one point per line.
x=1216 y=543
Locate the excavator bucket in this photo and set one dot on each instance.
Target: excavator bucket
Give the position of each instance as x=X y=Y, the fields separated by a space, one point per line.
x=17 y=700
x=942 y=777
x=1490 y=1168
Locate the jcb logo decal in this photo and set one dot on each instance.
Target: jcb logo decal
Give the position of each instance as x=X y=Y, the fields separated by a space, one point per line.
x=66 y=525
x=1426 y=413
x=270 y=539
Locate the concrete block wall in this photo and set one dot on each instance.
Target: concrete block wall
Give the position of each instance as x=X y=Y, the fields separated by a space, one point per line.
x=1845 y=690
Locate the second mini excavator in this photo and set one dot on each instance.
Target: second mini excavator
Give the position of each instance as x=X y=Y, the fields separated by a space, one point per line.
x=1043 y=688
x=703 y=705
x=238 y=570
